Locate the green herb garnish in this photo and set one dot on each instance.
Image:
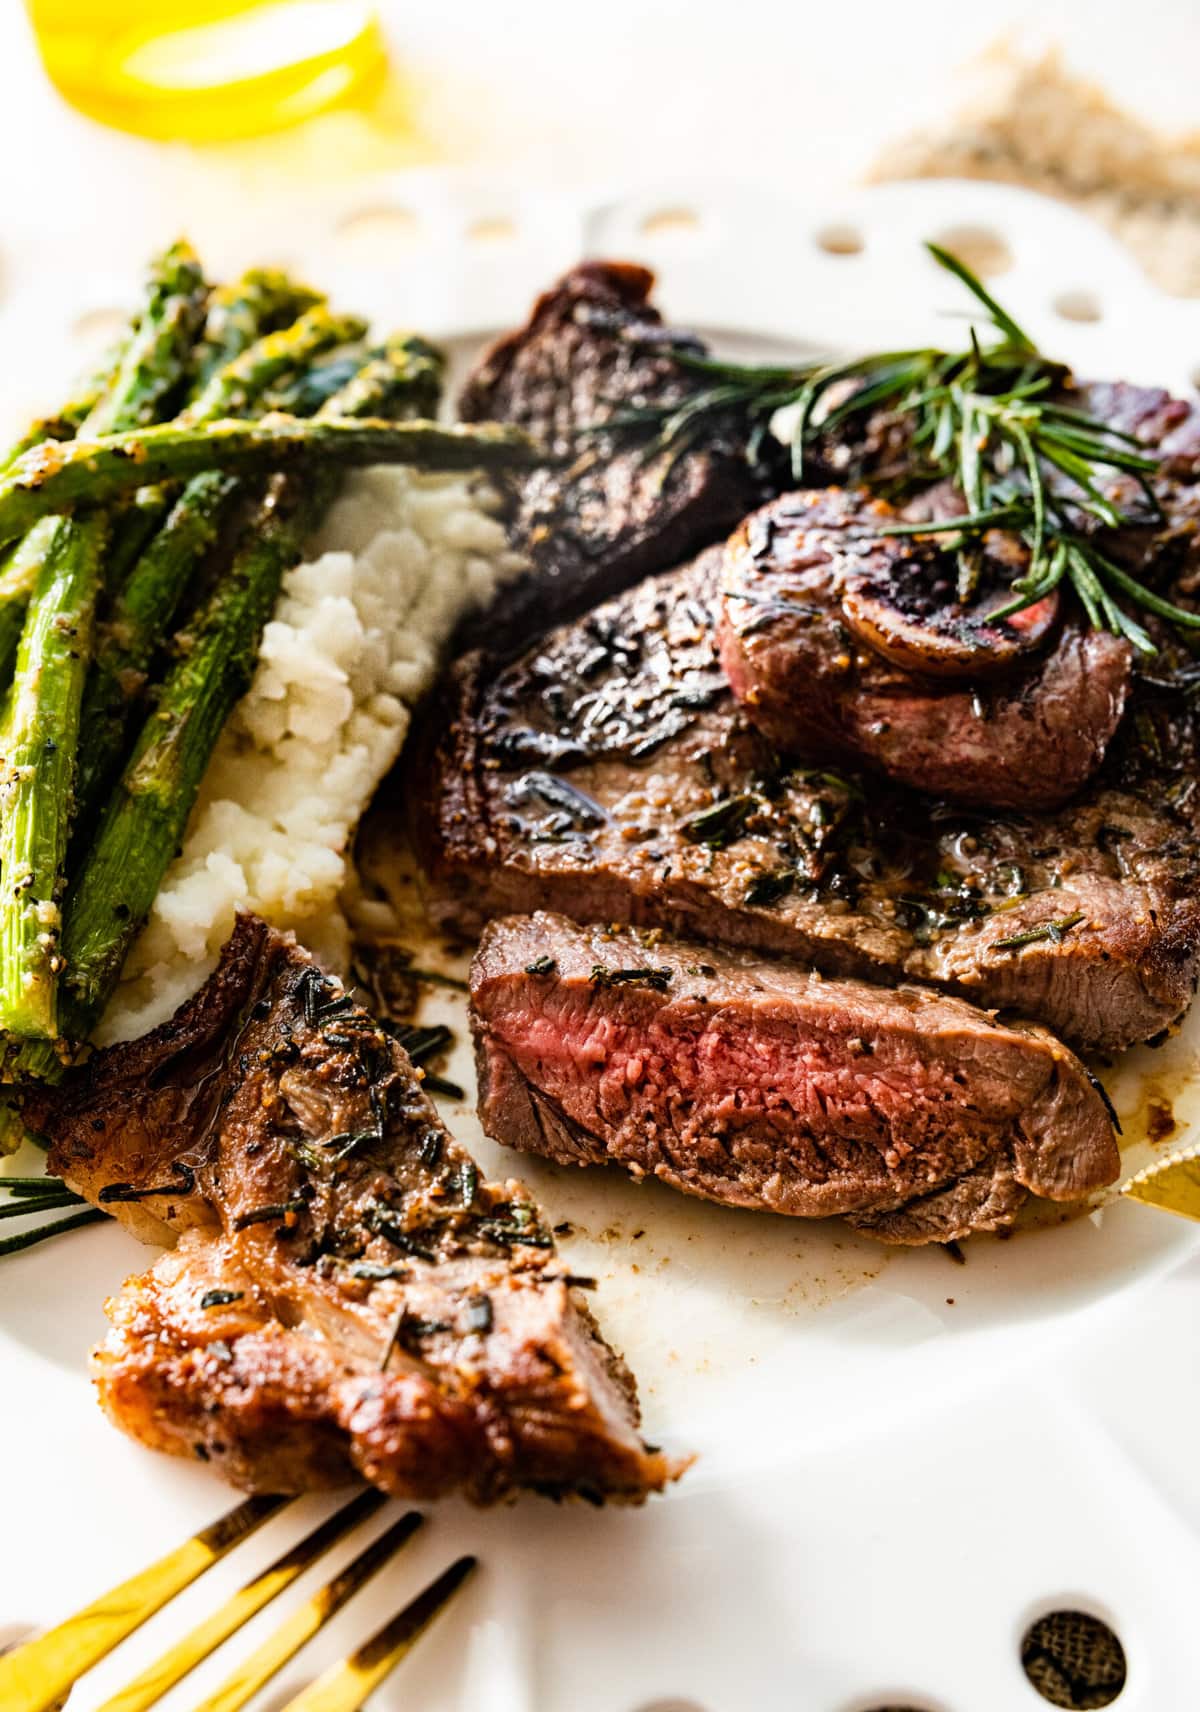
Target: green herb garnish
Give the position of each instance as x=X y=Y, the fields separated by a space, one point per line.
x=41 y=1204
x=442 y=1085
x=28 y=1239
x=1054 y=931
x=184 y=1184
x=721 y=824
x=770 y=887
x=991 y=418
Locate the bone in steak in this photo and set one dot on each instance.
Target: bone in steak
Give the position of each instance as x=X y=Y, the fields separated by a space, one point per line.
x=765 y=1086
x=608 y=511
x=608 y=774
x=801 y=583
x=346 y=1297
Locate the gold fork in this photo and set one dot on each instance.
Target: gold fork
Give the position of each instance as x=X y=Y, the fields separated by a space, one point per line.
x=37 y=1676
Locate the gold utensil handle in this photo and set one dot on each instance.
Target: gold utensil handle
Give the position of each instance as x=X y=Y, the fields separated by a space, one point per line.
x=36 y=1676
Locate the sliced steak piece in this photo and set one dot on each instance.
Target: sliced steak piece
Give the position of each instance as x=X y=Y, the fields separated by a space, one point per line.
x=346 y=1298
x=595 y=347
x=609 y=774
x=811 y=590
x=765 y=1086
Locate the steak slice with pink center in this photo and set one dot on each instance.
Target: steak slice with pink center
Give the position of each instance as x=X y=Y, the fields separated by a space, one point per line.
x=765 y=1086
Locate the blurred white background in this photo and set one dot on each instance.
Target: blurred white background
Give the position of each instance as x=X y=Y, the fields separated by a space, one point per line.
x=774 y=89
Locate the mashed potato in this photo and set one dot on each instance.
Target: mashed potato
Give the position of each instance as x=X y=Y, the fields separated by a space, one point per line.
x=355 y=640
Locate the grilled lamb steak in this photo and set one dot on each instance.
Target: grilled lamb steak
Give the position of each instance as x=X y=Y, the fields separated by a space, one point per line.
x=764 y=1086
x=608 y=774
x=594 y=347
x=809 y=582
x=345 y=1297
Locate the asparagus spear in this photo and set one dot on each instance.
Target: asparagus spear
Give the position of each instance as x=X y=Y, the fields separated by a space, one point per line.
x=154 y=364
x=41 y=724
x=416 y=368
x=140 y=618
x=18 y=573
x=56 y=478
x=261 y=301
x=143 y=824
x=233 y=388
x=304 y=394
x=41 y=730
x=237 y=330
x=401 y=377
x=20 y=560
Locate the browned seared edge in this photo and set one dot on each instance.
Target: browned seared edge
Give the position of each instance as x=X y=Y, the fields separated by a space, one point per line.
x=607 y=509
x=609 y=774
x=345 y=1297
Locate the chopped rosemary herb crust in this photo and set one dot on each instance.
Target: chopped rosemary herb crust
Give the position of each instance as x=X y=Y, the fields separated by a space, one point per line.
x=346 y=1294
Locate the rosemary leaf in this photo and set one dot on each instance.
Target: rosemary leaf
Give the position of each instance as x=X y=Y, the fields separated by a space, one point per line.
x=43 y=1204
x=28 y=1239
x=992 y=418
x=1054 y=931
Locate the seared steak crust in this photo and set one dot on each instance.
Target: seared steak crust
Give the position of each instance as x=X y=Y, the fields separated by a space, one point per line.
x=609 y=511
x=346 y=1298
x=1026 y=739
x=765 y=1086
x=609 y=774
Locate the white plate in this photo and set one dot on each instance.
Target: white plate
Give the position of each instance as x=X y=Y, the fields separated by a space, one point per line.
x=900 y=1460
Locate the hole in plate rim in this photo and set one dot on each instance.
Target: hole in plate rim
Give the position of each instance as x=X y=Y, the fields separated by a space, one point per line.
x=1073 y=1605
x=894 y=1701
x=380 y=223
x=670 y=220
x=840 y=239
x=1078 y=304
x=491 y=229
x=982 y=248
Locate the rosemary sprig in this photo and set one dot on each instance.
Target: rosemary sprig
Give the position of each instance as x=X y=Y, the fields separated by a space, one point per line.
x=33 y=1195
x=993 y=418
x=1054 y=931
x=35 y=1186
x=27 y=1239
x=40 y=1204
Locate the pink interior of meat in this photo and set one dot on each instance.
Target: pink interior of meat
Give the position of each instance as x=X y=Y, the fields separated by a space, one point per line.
x=606 y=1061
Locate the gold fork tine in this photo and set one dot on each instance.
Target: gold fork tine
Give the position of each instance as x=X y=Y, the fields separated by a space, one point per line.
x=304 y=1622
x=346 y=1686
x=148 y=1688
x=38 y=1674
